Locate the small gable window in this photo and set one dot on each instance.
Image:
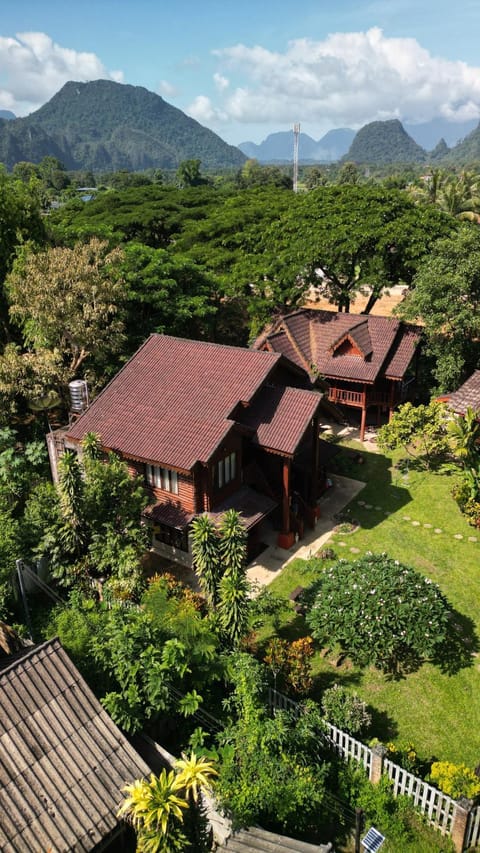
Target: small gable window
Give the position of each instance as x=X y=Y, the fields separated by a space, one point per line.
x=162 y=478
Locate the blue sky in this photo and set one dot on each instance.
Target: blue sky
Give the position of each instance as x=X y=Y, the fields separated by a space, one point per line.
x=248 y=68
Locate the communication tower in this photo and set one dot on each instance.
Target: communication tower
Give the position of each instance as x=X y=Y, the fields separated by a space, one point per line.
x=296 y=135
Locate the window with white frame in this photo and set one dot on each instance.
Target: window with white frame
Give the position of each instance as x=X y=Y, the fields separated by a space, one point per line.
x=162 y=478
x=226 y=469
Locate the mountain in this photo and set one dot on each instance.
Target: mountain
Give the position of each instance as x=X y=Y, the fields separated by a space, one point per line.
x=7 y=114
x=429 y=133
x=105 y=126
x=279 y=147
x=440 y=151
x=467 y=151
x=382 y=142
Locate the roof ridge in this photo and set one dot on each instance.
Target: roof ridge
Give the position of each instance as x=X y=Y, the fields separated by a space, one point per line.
x=29 y=652
x=295 y=345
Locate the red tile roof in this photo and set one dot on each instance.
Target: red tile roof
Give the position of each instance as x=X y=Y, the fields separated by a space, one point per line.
x=309 y=337
x=280 y=417
x=169 y=513
x=173 y=402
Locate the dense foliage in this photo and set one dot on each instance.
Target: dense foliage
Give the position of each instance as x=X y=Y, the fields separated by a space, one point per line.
x=271 y=771
x=446 y=296
x=380 y=612
x=420 y=430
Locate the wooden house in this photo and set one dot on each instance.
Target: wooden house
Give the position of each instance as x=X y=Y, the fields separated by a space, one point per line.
x=362 y=360
x=210 y=427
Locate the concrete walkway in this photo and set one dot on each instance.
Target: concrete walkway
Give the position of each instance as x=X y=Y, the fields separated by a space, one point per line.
x=273 y=559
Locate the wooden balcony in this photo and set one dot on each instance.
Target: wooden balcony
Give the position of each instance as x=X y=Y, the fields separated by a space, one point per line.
x=349 y=397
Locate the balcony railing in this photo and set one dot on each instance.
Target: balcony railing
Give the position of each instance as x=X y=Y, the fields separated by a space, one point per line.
x=348 y=397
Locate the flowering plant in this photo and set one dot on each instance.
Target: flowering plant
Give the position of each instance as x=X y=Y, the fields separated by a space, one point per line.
x=379 y=611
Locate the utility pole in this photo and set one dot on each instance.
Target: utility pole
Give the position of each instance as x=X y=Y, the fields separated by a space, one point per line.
x=19 y=565
x=296 y=135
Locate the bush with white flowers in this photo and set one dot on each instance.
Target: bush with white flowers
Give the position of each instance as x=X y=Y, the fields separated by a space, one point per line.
x=380 y=612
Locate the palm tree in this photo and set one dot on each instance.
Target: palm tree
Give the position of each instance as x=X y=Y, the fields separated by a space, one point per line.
x=233 y=607
x=156 y=812
x=233 y=543
x=195 y=773
x=464 y=433
x=206 y=558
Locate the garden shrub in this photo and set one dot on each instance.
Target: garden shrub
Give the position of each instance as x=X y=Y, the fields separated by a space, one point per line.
x=456 y=780
x=379 y=611
x=345 y=710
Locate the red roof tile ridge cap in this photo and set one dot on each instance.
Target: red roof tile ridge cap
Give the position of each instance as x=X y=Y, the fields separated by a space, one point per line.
x=194 y=341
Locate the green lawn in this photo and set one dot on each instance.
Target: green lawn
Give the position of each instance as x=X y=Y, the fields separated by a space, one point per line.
x=439 y=712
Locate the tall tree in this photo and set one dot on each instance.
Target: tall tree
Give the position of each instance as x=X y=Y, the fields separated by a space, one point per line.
x=206 y=557
x=446 y=296
x=67 y=303
x=21 y=221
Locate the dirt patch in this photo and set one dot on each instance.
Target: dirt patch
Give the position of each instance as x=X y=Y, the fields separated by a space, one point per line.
x=382 y=308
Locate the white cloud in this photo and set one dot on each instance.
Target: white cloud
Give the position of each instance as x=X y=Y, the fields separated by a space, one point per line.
x=349 y=78
x=204 y=111
x=167 y=89
x=33 y=67
x=221 y=83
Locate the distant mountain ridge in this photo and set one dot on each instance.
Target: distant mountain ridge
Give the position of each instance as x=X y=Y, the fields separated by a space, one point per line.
x=106 y=126
x=436 y=136
x=279 y=147
x=7 y=114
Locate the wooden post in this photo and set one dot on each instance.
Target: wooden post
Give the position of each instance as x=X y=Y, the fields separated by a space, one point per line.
x=392 y=401
x=461 y=814
x=378 y=756
x=286 y=537
x=315 y=461
x=364 y=420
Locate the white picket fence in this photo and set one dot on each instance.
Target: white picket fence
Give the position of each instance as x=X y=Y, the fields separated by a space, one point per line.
x=473 y=828
x=438 y=808
x=348 y=747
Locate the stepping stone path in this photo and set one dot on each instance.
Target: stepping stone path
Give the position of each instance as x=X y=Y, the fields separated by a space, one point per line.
x=386 y=512
x=355 y=550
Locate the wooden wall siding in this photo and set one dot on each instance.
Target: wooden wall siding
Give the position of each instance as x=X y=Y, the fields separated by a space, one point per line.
x=347 y=347
x=234 y=445
x=185 y=496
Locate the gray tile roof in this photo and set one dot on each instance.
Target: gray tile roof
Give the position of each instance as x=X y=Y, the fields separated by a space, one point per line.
x=63 y=762
x=467 y=396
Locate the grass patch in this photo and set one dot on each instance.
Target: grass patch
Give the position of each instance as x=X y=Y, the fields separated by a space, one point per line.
x=440 y=713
